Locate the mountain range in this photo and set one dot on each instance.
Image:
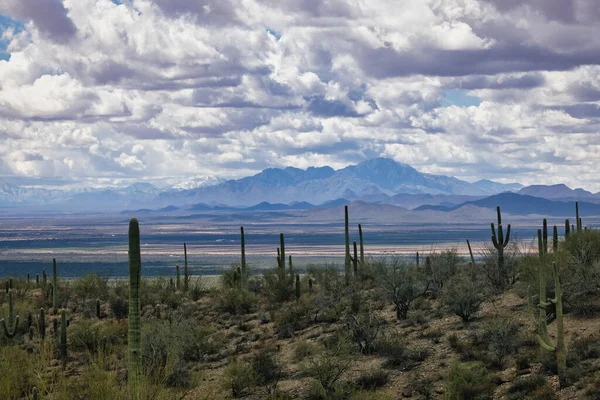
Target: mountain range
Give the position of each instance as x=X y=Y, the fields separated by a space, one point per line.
x=377 y=181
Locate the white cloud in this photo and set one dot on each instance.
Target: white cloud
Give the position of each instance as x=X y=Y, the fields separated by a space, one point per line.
x=168 y=90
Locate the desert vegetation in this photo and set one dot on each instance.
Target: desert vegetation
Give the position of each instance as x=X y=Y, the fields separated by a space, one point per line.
x=508 y=323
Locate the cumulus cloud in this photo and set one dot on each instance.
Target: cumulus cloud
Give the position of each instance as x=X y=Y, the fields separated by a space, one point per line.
x=98 y=92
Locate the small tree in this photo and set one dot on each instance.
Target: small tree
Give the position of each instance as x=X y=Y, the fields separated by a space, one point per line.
x=463 y=295
x=401 y=284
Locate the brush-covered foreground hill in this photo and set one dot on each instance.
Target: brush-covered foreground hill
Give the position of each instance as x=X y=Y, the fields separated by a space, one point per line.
x=384 y=328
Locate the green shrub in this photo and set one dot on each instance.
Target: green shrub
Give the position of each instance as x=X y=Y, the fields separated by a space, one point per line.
x=401 y=284
x=235 y=301
x=467 y=381
x=267 y=369
x=439 y=268
x=502 y=338
x=397 y=353
x=372 y=380
x=240 y=377
x=292 y=318
x=463 y=295
x=528 y=387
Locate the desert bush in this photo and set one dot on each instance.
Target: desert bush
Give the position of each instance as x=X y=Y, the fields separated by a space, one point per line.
x=90 y=287
x=267 y=369
x=363 y=326
x=439 y=267
x=468 y=381
x=235 y=300
x=240 y=377
x=463 y=295
x=528 y=387
x=401 y=284
x=500 y=277
x=397 y=353
x=278 y=291
x=304 y=349
x=501 y=336
x=292 y=318
x=372 y=380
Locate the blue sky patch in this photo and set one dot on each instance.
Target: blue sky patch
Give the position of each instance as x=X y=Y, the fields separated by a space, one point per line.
x=275 y=34
x=7 y=23
x=459 y=98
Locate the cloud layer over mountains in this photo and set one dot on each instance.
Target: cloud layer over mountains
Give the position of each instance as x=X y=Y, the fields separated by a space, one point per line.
x=97 y=92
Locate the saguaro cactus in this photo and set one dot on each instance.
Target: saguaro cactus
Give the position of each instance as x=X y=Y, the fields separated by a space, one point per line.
x=348 y=257
x=177 y=277
x=500 y=242
x=54 y=288
x=44 y=280
x=297 y=287
x=355 y=260
x=470 y=252
x=577 y=219
x=545 y=235
x=555 y=239
x=543 y=338
x=63 y=338
x=98 y=308
x=567 y=228
x=35 y=394
x=186 y=277
x=42 y=323
x=362 y=248
x=10 y=329
x=243 y=261
x=291 y=267
x=134 y=334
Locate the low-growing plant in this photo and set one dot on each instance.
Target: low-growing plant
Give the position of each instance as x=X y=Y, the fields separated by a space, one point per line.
x=468 y=381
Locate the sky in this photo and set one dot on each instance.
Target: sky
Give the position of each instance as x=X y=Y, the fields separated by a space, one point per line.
x=101 y=92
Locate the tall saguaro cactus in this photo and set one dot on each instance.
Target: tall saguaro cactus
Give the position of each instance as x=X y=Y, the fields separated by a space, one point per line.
x=63 y=338
x=10 y=329
x=134 y=335
x=54 y=288
x=186 y=276
x=348 y=257
x=244 y=271
x=567 y=228
x=500 y=242
x=555 y=239
x=545 y=235
x=577 y=219
x=355 y=260
x=177 y=277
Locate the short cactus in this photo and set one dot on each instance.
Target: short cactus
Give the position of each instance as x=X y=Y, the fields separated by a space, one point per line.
x=10 y=328
x=35 y=394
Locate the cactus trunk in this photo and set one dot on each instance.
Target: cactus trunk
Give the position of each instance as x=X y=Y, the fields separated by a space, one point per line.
x=63 y=338
x=470 y=252
x=555 y=239
x=355 y=260
x=347 y=259
x=186 y=277
x=10 y=329
x=244 y=276
x=362 y=247
x=134 y=334
x=54 y=288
